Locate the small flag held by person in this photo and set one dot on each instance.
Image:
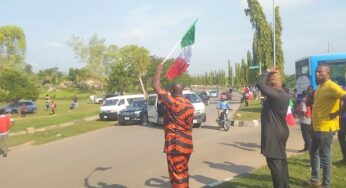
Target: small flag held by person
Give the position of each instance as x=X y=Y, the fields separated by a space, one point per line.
x=289 y=116
x=181 y=63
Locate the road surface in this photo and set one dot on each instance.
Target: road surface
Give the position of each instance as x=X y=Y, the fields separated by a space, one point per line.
x=131 y=156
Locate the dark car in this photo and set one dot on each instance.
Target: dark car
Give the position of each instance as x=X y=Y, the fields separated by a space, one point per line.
x=136 y=112
x=204 y=96
x=15 y=107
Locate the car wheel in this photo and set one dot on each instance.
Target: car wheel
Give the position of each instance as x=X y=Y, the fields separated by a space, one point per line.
x=144 y=119
x=197 y=125
x=122 y=122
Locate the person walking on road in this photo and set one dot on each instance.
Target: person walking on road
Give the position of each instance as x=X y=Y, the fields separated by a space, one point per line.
x=6 y=122
x=274 y=130
x=178 y=121
x=304 y=114
x=325 y=123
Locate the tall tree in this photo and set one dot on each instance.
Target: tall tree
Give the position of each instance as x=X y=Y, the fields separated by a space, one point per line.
x=252 y=72
x=262 y=41
x=12 y=47
x=230 y=74
x=119 y=78
x=92 y=54
x=15 y=85
x=136 y=59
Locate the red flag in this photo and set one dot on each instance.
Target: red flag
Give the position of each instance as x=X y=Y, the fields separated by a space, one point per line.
x=179 y=67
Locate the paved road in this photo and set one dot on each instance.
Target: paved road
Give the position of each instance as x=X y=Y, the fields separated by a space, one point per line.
x=131 y=156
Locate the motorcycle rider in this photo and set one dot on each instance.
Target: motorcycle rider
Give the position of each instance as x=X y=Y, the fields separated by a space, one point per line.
x=222 y=106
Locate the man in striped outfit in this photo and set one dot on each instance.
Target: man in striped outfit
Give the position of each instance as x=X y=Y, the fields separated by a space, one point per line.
x=178 y=121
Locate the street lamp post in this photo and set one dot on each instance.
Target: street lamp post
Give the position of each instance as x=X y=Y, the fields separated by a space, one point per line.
x=274 y=47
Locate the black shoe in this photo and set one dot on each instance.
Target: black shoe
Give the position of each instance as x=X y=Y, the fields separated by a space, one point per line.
x=5 y=155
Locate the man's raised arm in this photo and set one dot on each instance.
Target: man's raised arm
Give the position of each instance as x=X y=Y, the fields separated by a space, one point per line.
x=156 y=80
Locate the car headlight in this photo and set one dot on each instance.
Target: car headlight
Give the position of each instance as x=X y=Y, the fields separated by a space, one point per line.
x=137 y=112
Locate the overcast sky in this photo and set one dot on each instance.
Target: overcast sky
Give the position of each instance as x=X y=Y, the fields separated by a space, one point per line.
x=223 y=31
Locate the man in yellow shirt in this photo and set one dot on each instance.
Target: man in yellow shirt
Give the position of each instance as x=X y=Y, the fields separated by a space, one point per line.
x=325 y=123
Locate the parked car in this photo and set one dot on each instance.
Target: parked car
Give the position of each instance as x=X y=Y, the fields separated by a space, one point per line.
x=100 y=99
x=198 y=117
x=135 y=113
x=204 y=96
x=15 y=107
x=111 y=106
x=212 y=93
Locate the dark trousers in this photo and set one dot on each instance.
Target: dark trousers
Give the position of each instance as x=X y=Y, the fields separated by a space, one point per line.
x=342 y=141
x=279 y=172
x=306 y=133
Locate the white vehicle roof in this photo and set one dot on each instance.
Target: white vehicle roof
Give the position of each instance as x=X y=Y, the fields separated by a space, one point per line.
x=126 y=96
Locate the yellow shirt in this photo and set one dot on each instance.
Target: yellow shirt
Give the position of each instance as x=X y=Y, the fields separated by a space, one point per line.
x=326 y=101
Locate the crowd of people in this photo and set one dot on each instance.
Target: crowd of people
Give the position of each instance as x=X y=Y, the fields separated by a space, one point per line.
x=320 y=112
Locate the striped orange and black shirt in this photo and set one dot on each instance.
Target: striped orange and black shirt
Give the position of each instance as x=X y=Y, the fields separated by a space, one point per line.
x=178 y=120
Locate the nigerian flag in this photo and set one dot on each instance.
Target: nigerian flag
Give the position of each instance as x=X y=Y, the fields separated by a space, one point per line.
x=181 y=63
x=289 y=115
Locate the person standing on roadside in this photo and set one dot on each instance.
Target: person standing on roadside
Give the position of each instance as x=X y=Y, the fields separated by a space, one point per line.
x=304 y=114
x=274 y=129
x=325 y=123
x=47 y=102
x=6 y=122
x=53 y=107
x=342 y=132
x=178 y=121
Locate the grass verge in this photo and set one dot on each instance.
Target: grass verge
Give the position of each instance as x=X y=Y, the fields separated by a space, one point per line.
x=299 y=171
x=63 y=114
x=253 y=111
x=60 y=133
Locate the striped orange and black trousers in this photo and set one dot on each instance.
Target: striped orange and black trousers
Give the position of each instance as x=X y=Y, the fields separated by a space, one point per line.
x=178 y=170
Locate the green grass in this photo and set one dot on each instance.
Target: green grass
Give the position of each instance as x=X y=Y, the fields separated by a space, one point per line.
x=299 y=171
x=60 y=133
x=253 y=111
x=63 y=115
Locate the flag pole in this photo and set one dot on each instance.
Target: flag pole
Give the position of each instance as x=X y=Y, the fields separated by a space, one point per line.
x=170 y=52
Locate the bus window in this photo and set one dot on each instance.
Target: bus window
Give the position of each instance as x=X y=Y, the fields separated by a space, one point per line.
x=302 y=68
x=338 y=73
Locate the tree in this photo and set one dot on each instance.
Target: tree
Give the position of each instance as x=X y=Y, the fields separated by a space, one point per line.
x=136 y=60
x=119 y=79
x=77 y=75
x=253 y=73
x=92 y=54
x=15 y=85
x=262 y=41
x=51 y=76
x=230 y=74
x=12 y=47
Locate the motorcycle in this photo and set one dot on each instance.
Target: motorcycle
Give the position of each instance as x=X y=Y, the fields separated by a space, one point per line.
x=224 y=121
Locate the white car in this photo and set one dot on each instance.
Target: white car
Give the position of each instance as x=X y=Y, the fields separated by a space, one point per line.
x=198 y=117
x=212 y=93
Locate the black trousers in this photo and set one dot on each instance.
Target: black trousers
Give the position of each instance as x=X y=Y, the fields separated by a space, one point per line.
x=342 y=141
x=279 y=172
x=306 y=133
